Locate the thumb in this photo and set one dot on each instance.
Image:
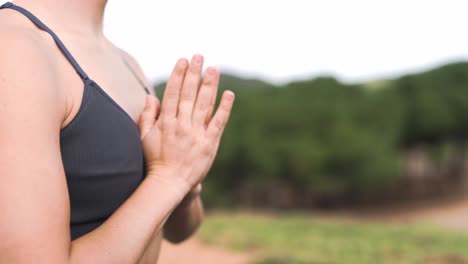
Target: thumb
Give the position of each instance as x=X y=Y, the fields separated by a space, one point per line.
x=148 y=116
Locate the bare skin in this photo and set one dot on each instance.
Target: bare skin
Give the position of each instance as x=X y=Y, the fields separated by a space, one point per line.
x=167 y=204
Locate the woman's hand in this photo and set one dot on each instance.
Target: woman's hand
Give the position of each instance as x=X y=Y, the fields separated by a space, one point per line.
x=182 y=136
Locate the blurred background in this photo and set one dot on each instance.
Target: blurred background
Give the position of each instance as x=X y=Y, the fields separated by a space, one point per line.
x=348 y=138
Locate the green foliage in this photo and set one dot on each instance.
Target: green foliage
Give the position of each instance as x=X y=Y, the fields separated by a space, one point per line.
x=330 y=139
x=436 y=105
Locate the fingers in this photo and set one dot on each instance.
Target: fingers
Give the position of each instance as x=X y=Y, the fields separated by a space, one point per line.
x=206 y=98
x=211 y=103
x=148 y=116
x=220 y=118
x=190 y=89
x=172 y=92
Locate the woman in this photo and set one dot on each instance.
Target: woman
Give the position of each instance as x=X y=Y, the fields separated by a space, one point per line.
x=93 y=169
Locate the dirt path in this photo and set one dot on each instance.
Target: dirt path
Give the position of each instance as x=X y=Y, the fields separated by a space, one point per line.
x=451 y=214
x=454 y=216
x=194 y=252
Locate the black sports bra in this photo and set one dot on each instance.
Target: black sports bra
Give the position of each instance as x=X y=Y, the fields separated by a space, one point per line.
x=101 y=150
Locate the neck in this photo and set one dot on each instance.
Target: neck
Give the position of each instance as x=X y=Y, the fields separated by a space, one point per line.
x=77 y=16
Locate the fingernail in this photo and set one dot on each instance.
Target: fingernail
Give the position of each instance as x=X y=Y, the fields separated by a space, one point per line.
x=182 y=62
x=229 y=96
x=197 y=59
x=210 y=71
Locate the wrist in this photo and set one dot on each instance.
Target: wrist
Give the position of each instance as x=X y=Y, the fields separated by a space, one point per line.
x=171 y=181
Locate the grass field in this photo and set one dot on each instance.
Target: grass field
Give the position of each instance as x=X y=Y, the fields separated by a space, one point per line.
x=301 y=238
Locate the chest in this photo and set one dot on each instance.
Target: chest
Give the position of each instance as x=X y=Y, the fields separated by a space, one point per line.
x=102 y=157
x=104 y=65
x=100 y=143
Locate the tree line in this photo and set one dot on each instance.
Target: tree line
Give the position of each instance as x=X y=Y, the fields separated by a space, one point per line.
x=319 y=139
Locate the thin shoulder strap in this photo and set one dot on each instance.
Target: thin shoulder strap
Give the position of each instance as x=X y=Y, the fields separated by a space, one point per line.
x=135 y=74
x=42 y=26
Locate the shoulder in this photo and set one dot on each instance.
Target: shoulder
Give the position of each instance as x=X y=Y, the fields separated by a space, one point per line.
x=18 y=31
x=27 y=73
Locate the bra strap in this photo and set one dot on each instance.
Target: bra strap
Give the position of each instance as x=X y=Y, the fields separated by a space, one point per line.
x=135 y=74
x=57 y=40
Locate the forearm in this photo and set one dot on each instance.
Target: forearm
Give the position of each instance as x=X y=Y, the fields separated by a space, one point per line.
x=123 y=237
x=184 y=220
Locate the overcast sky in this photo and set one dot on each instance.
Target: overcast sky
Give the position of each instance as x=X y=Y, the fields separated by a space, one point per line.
x=284 y=40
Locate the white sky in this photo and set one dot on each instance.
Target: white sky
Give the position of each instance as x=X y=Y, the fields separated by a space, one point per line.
x=284 y=40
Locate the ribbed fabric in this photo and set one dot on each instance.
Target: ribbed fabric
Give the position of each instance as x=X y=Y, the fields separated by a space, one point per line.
x=101 y=150
x=103 y=160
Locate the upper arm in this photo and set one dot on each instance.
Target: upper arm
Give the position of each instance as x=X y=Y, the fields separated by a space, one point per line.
x=34 y=205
